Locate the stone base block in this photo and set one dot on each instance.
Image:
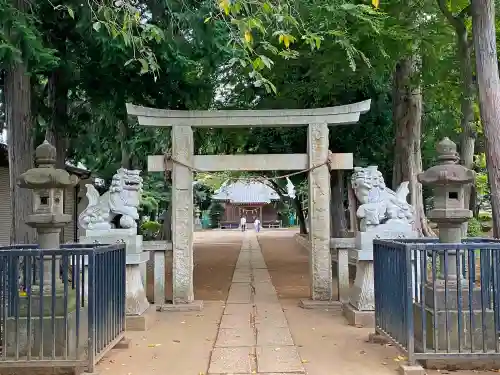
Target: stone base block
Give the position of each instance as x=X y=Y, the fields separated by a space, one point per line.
x=376 y=338
x=181 y=307
x=335 y=306
x=411 y=370
x=451 y=317
x=48 y=336
x=45 y=371
x=358 y=318
x=454 y=364
x=137 y=322
x=449 y=299
x=123 y=344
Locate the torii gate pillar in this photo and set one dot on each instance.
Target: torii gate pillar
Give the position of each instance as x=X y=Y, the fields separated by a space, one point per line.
x=319 y=213
x=182 y=215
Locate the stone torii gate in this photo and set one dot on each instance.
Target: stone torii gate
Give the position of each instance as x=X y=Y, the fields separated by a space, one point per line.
x=182 y=123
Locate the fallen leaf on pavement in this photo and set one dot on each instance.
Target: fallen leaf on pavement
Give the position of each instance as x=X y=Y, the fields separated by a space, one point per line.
x=305 y=361
x=153 y=345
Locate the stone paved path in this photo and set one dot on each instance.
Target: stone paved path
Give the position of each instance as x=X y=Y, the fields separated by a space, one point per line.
x=253 y=335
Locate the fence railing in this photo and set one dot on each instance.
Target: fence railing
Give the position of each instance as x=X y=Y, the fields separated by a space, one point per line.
x=60 y=307
x=439 y=301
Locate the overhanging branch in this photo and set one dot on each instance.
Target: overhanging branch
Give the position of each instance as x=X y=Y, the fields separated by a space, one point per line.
x=456 y=21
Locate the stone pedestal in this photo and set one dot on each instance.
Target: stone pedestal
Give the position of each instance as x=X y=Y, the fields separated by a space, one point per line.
x=359 y=311
x=361 y=307
x=362 y=295
x=136 y=301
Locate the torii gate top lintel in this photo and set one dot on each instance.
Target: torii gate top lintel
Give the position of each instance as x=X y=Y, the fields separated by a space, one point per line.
x=339 y=115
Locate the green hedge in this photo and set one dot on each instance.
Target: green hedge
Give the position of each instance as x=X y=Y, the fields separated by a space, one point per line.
x=150 y=230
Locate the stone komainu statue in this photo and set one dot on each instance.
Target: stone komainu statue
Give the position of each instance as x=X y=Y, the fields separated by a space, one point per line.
x=121 y=201
x=379 y=204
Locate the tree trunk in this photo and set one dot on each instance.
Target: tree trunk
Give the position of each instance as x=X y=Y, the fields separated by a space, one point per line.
x=483 y=30
x=407 y=118
x=167 y=224
x=126 y=160
x=296 y=202
x=55 y=133
x=464 y=55
x=300 y=215
x=468 y=136
x=20 y=146
x=338 y=217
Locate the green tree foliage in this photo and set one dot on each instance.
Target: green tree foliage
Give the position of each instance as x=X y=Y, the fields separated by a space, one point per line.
x=216 y=212
x=192 y=54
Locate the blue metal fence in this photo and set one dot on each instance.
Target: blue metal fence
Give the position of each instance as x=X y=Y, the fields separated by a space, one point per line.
x=61 y=307
x=427 y=312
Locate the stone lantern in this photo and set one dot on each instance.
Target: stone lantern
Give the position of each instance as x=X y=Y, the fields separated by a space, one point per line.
x=197 y=219
x=448 y=180
x=48 y=185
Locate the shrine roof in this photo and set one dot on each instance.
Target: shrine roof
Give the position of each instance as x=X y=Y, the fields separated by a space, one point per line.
x=245 y=192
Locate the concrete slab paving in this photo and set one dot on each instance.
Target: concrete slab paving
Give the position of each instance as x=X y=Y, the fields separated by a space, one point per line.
x=278 y=336
x=278 y=359
x=235 y=321
x=236 y=360
x=239 y=309
x=233 y=337
x=253 y=331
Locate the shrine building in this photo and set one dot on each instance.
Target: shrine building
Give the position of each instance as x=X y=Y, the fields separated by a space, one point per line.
x=252 y=199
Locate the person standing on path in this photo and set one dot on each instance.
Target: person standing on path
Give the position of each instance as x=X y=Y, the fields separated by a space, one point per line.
x=243 y=223
x=256 y=224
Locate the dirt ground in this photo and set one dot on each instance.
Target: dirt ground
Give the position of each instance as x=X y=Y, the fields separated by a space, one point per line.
x=214 y=264
x=289 y=267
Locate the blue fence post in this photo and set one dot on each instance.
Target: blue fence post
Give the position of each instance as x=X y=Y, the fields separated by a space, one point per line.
x=408 y=297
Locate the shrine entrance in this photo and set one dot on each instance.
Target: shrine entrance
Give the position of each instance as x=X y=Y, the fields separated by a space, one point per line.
x=317 y=162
